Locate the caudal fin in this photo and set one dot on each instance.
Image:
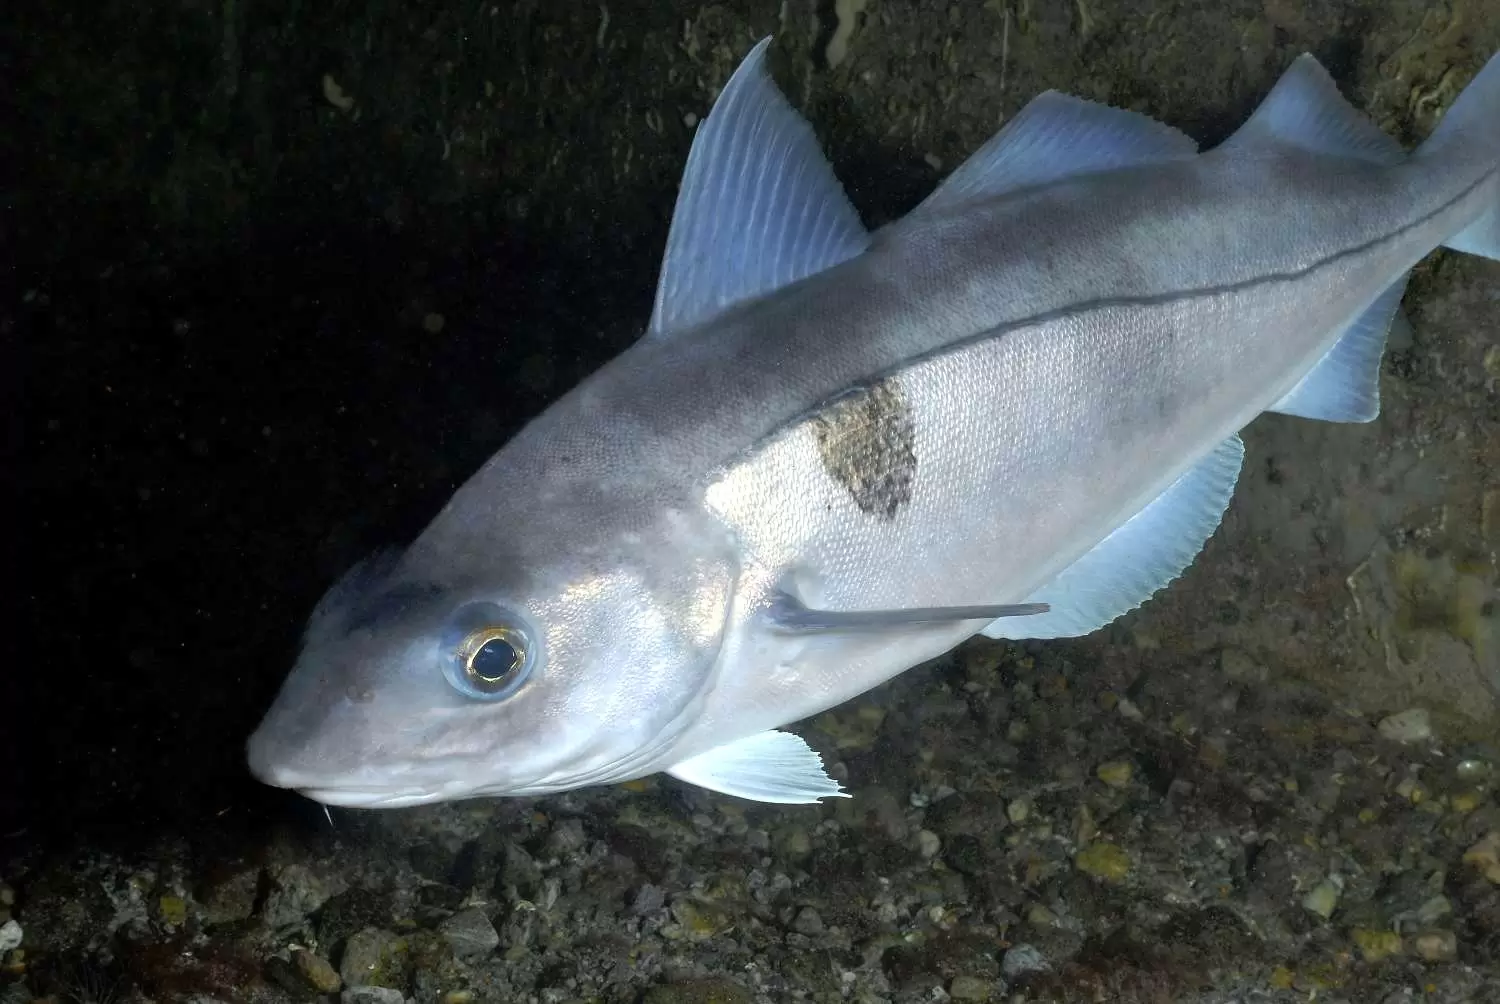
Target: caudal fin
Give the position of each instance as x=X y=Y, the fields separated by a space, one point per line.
x=1470 y=129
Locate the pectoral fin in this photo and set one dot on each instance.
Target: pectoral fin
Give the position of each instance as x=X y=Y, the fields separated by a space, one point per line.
x=787 y=613
x=766 y=767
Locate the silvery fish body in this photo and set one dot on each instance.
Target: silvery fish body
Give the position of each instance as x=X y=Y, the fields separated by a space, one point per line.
x=837 y=454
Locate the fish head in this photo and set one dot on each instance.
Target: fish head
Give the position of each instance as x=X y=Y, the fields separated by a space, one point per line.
x=411 y=689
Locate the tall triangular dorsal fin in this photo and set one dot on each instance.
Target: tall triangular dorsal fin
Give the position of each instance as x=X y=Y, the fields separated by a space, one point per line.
x=1142 y=556
x=1306 y=110
x=1054 y=137
x=759 y=206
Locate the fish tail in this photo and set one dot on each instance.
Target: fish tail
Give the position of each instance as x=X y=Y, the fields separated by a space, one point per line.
x=1471 y=131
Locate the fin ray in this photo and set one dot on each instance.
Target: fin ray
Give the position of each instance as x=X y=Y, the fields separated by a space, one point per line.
x=1344 y=386
x=1057 y=136
x=1306 y=110
x=770 y=766
x=1139 y=558
x=759 y=206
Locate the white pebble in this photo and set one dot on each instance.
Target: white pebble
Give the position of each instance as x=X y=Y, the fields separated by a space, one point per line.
x=1410 y=726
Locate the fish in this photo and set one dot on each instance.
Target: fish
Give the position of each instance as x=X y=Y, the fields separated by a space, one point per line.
x=836 y=453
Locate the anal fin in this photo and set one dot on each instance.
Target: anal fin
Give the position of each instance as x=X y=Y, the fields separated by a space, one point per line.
x=1344 y=386
x=1482 y=237
x=1142 y=556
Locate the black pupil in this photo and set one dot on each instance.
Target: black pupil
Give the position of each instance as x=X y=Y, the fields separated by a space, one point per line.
x=494 y=660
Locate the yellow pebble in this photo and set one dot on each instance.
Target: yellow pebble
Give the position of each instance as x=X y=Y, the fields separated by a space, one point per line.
x=1485 y=856
x=1103 y=860
x=1376 y=946
x=1466 y=802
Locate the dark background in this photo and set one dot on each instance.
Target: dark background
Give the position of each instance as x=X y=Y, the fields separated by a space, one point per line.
x=226 y=390
x=223 y=301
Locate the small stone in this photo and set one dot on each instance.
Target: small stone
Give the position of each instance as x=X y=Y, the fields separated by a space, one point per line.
x=1018 y=810
x=372 y=995
x=172 y=910
x=970 y=988
x=1465 y=802
x=1103 y=860
x=1323 y=898
x=1436 y=946
x=296 y=893
x=1038 y=915
x=1412 y=790
x=470 y=934
x=1116 y=773
x=928 y=843
x=458 y=997
x=372 y=957
x=808 y=921
x=701 y=921
x=1472 y=769
x=794 y=841
x=1433 y=910
x=1128 y=710
x=1485 y=856
x=433 y=322
x=1410 y=726
x=11 y=935
x=230 y=895
x=1376 y=946
x=648 y=899
x=1023 y=959
x=317 y=971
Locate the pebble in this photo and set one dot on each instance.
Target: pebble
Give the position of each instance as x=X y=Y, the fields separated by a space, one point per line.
x=1472 y=769
x=1433 y=910
x=1323 y=898
x=1116 y=773
x=295 y=894
x=372 y=995
x=808 y=921
x=1410 y=726
x=970 y=988
x=10 y=935
x=1485 y=856
x=470 y=934
x=1376 y=946
x=1465 y=802
x=1437 y=946
x=1023 y=959
x=1104 y=860
x=317 y=971
x=369 y=957
x=928 y=843
x=1018 y=810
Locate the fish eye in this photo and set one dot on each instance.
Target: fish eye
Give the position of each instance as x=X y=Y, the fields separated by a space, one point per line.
x=488 y=655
